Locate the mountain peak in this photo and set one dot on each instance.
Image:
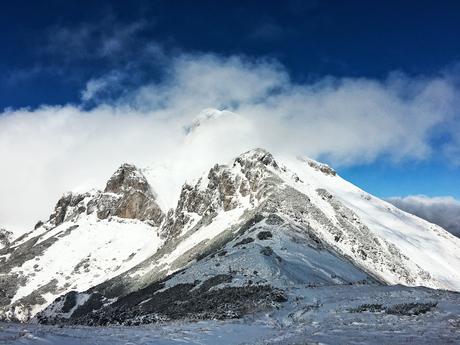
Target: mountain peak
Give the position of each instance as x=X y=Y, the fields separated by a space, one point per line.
x=257 y=155
x=127 y=177
x=127 y=195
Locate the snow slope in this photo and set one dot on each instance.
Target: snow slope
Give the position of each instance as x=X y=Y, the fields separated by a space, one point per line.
x=89 y=255
x=89 y=239
x=424 y=243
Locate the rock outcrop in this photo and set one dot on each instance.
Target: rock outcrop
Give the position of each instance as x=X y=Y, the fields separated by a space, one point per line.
x=126 y=195
x=5 y=237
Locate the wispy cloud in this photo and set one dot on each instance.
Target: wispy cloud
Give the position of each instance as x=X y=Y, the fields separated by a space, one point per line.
x=49 y=150
x=444 y=211
x=78 y=52
x=107 y=38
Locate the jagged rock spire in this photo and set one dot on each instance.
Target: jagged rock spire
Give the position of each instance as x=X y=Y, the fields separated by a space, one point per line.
x=127 y=177
x=127 y=195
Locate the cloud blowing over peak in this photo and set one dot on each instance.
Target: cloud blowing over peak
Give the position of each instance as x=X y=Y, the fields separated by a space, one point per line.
x=51 y=149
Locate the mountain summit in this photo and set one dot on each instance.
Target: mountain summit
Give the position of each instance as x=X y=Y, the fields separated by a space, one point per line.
x=242 y=238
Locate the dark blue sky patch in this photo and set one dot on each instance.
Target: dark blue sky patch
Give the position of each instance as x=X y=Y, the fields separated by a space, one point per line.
x=54 y=47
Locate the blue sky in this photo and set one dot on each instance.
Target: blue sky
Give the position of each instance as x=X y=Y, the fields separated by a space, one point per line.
x=404 y=56
x=311 y=38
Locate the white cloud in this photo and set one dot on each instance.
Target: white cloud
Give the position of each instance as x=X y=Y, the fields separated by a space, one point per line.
x=49 y=150
x=444 y=211
x=98 y=87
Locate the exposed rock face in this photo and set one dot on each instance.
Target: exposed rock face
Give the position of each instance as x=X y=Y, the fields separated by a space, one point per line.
x=5 y=237
x=224 y=188
x=126 y=195
x=68 y=206
x=133 y=197
x=127 y=178
x=324 y=168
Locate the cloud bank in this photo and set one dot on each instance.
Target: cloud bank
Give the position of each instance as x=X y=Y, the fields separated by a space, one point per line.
x=443 y=211
x=49 y=150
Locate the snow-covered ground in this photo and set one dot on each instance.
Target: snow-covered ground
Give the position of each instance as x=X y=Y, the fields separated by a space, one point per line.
x=108 y=247
x=318 y=316
x=206 y=332
x=84 y=256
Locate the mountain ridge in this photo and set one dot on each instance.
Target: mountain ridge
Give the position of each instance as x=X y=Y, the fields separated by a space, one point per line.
x=299 y=206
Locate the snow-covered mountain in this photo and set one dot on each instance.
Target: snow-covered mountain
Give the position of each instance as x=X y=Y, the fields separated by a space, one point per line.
x=241 y=238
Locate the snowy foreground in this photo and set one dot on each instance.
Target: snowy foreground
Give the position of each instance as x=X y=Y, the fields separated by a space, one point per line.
x=329 y=315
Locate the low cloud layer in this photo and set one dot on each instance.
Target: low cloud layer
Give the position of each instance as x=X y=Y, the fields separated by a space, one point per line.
x=49 y=150
x=444 y=211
